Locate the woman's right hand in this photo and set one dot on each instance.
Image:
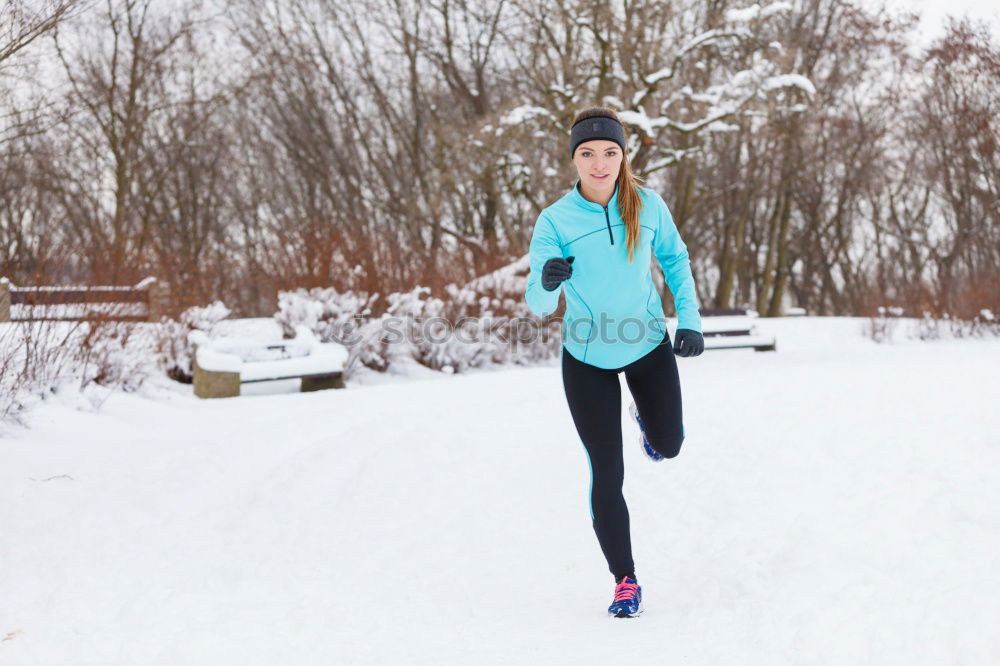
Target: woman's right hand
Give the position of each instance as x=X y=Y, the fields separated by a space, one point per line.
x=554 y=271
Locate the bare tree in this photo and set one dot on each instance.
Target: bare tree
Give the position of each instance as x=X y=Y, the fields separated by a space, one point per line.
x=383 y=144
x=120 y=69
x=957 y=118
x=23 y=21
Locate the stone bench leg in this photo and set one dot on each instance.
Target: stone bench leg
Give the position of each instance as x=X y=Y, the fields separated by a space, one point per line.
x=208 y=384
x=4 y=299
x=334 y=381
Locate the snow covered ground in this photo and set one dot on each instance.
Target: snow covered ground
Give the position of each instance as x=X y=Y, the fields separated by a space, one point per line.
x=835 y=502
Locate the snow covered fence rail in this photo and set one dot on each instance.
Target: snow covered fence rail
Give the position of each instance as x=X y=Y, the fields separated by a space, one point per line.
x=733 y=328
x=142 y=302
x=220 y=365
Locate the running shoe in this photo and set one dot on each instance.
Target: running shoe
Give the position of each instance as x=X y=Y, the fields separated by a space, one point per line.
x=650 y=452
x=628 y=599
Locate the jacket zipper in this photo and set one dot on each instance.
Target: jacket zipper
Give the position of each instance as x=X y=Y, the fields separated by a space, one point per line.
x=608 y=220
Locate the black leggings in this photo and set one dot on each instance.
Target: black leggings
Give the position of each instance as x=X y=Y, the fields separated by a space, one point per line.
x=594 y=397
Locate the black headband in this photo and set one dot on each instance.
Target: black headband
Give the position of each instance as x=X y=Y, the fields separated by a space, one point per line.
x=598 y=127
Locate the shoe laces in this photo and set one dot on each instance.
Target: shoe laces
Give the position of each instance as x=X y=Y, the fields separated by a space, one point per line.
x=625 y=591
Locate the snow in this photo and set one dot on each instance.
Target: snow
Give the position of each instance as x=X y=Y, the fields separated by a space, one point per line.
x=776 y=8
x=694 y=43
x=612 y=101
x=719 y=126
x=834 y=503
x=76 y=311
x=217 y=361
x=256 y=360
x=522 y=114
x=743 y=15
x=315 y=364
x=755 y=11
x=789 y=81
x=77 y=287
x=641 y=120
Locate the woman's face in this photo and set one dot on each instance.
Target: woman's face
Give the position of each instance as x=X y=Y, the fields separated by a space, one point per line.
x=598 y=163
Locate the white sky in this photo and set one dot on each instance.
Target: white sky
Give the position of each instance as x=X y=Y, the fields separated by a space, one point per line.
x=933 y=13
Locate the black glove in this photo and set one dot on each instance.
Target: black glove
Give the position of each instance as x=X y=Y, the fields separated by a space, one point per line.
x=555 y=271
x=688 y=342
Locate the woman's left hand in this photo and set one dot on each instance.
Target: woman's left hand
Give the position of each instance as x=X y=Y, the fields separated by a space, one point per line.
x=688 y=342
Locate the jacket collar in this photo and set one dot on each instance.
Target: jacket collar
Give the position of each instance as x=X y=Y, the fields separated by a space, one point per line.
x=580 y=200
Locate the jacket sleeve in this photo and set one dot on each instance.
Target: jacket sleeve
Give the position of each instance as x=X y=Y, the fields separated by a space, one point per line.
x=544 y=246
x=672 y=254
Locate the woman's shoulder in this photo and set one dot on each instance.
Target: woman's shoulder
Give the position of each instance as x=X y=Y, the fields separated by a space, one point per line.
x=653 y=204
x=563 y=203
x=649 y=194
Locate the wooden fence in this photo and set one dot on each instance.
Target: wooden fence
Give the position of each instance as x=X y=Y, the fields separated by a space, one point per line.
x=143 y=302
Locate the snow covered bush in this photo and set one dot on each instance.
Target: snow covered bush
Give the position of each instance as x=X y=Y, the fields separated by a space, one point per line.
x=504 y=328
x=484 y=322
x=332 y=315
x=984 y=323
x=39 y=358
x=880 y=328
x=928 y=326
x=340 y=317
x=173 y=350
x=117 y=354
x=981 y=324
x=422 y=327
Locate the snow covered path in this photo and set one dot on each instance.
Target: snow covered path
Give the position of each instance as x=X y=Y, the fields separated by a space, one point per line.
x=834 y=503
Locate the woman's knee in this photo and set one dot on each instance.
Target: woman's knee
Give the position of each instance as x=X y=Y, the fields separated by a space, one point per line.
x=668 y=445
x=608 y=474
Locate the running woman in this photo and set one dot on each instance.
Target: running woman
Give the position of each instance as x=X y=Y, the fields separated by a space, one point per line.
x=595 y=243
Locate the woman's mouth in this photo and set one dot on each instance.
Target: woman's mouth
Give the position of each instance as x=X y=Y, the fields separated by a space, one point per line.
x=603 y=177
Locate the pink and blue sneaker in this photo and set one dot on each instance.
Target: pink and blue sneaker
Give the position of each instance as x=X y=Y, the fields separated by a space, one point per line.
x=650 y=452
x=628 y=599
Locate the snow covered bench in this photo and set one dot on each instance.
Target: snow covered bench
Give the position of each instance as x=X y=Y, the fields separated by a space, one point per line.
x=733 y=329
x=222 y=364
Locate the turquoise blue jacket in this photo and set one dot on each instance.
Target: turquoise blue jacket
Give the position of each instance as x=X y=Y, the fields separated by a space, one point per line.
x=613 y=313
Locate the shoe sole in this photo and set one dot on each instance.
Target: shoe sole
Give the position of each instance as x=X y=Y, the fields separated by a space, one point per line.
x=622 y=613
